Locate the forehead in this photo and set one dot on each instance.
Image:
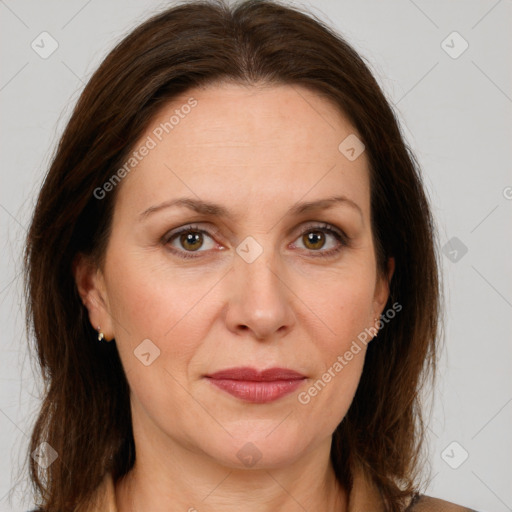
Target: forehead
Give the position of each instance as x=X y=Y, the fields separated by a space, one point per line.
x=277 y=142
x=229 y=115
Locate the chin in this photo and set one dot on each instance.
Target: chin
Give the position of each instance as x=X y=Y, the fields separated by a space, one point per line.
x=259 y=451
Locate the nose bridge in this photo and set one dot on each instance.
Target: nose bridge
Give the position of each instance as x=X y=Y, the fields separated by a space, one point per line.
x=260 y=299
x=260 y=277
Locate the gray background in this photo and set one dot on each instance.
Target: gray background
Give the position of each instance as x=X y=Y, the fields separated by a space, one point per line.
x=456 y=115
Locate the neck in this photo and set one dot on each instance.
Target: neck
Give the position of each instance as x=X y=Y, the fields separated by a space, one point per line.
x=170 y=477
x=262 y=491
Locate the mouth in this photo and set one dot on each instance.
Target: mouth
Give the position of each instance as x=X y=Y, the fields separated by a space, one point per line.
x=257 y=386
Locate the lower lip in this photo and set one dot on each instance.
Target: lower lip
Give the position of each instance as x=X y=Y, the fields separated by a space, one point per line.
x=257 y=392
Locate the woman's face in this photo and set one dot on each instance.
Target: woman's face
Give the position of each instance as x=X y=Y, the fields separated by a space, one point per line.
x=271 y=271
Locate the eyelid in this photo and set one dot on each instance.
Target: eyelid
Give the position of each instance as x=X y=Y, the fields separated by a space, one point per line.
x=323 y=225
x=211 y=230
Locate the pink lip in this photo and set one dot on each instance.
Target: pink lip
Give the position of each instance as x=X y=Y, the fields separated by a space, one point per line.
x=257 y=386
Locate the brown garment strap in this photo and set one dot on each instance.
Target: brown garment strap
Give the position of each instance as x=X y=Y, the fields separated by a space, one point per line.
x=421 y=503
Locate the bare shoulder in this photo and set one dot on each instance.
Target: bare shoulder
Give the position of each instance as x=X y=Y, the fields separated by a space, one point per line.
x=422 y=503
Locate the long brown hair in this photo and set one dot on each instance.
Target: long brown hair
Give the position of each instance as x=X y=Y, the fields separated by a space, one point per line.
x=85 y=414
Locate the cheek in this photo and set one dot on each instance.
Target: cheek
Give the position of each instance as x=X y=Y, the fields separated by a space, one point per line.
x=335 y=383
x=343 y=304
x=145 y=307
x=145 y=304
x=328 y=397
x=345 y=310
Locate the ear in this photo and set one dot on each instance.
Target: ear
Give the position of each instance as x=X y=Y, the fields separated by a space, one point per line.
x=382 y=288
x=93 y=292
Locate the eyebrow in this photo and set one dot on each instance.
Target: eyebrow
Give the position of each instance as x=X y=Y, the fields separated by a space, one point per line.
x=212 y=209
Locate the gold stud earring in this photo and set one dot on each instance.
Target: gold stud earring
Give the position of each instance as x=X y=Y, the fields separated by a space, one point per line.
x=101 y=336
x=376 y=327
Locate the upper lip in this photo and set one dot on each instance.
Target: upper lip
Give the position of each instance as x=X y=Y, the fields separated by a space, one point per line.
x=246 y=373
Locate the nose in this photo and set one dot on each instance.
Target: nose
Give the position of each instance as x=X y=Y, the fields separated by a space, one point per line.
x=259 y=299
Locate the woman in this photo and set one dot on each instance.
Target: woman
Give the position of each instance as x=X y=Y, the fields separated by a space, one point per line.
x=232 y=278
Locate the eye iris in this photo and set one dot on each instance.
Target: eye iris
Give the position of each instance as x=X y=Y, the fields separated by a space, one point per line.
x=314 y=237
x=191 y=238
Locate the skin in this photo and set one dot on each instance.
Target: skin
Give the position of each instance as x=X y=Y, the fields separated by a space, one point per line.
x=257 y=151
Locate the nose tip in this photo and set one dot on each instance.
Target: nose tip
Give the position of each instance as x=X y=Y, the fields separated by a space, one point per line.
x=259 y=300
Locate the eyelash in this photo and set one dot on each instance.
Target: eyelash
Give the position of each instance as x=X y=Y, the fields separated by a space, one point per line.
x=340 y=236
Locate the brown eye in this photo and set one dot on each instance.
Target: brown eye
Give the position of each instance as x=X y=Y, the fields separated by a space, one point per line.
x=191 y=241
x=325 y=240
x=188 y=240
x=314 y=240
